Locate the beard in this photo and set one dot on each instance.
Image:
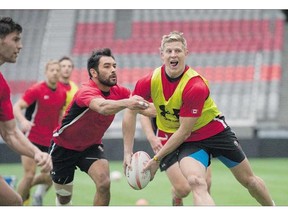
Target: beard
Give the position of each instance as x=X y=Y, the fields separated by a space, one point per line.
x=107 y=82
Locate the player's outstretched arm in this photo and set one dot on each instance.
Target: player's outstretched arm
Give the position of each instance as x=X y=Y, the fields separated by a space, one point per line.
x=109 y=107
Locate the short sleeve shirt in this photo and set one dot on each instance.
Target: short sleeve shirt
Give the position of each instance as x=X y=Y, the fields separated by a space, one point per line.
x=83 y=127
x=6 y=108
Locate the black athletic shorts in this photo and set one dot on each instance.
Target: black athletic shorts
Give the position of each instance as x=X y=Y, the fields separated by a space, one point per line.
x=42 y=148
x=224 y=145
x=66 y=161
x=169 y=160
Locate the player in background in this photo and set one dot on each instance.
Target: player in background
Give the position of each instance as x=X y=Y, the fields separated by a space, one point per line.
x=194 y=126
x=77 y=142
x=67 y=66
x=43 y=102
x=10 y=46
x=66 y=69
x=180 y=186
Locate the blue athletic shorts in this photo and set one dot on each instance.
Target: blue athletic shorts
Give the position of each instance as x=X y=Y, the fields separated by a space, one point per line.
x=224 y=145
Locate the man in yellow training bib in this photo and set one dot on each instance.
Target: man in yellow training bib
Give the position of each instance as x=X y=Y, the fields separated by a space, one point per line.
x=194 y=127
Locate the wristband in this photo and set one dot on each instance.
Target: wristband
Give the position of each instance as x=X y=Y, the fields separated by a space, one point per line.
x=155 y=158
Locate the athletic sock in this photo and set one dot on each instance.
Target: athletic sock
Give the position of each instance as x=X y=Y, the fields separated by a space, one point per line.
x=41 y=190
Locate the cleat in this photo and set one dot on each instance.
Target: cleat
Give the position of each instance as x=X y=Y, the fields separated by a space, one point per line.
x=27 y=201
x=177 y=201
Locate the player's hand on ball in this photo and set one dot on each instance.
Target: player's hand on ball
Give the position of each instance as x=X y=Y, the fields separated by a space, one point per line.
x=127 y=162
x=136 y=177
x=153 y=166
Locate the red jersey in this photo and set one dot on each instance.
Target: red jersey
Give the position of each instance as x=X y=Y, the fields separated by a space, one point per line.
x=47 y=104
x=193 y=97
x=82 y=127
x=6 y=108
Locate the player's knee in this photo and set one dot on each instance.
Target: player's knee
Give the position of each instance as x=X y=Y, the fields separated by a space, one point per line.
x=104 y=185
x=47 y=179
x=196 y=181
x=182 y=190
x=252 y=182
x=29 y=176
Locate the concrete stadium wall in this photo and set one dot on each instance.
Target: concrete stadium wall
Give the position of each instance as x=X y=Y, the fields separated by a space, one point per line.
x=114 y=149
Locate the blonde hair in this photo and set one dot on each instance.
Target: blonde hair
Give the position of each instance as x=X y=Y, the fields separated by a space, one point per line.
x=51 y=62
x=174 y=36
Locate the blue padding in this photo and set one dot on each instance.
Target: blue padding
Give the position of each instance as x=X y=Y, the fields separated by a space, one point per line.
x=201 y=156
x=229 y=163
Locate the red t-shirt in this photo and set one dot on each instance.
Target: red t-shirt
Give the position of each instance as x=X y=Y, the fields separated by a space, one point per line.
x=66 y=86
x=82 y=127
x=6 y=108
x=193 y=97
x=48 y=106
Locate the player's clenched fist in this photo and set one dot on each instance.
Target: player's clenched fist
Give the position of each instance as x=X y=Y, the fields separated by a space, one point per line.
x=43 y=159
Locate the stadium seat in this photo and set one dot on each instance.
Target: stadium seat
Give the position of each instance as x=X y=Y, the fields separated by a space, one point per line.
x=225 y=46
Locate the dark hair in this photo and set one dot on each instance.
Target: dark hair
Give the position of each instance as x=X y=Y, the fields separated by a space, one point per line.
x=7 y=26
x=66 y=58
x=93 y=61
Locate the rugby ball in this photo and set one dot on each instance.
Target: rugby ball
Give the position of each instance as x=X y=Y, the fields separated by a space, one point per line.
x=136 y=178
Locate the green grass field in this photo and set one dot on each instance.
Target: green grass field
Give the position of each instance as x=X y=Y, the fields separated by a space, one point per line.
x=226 y=191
